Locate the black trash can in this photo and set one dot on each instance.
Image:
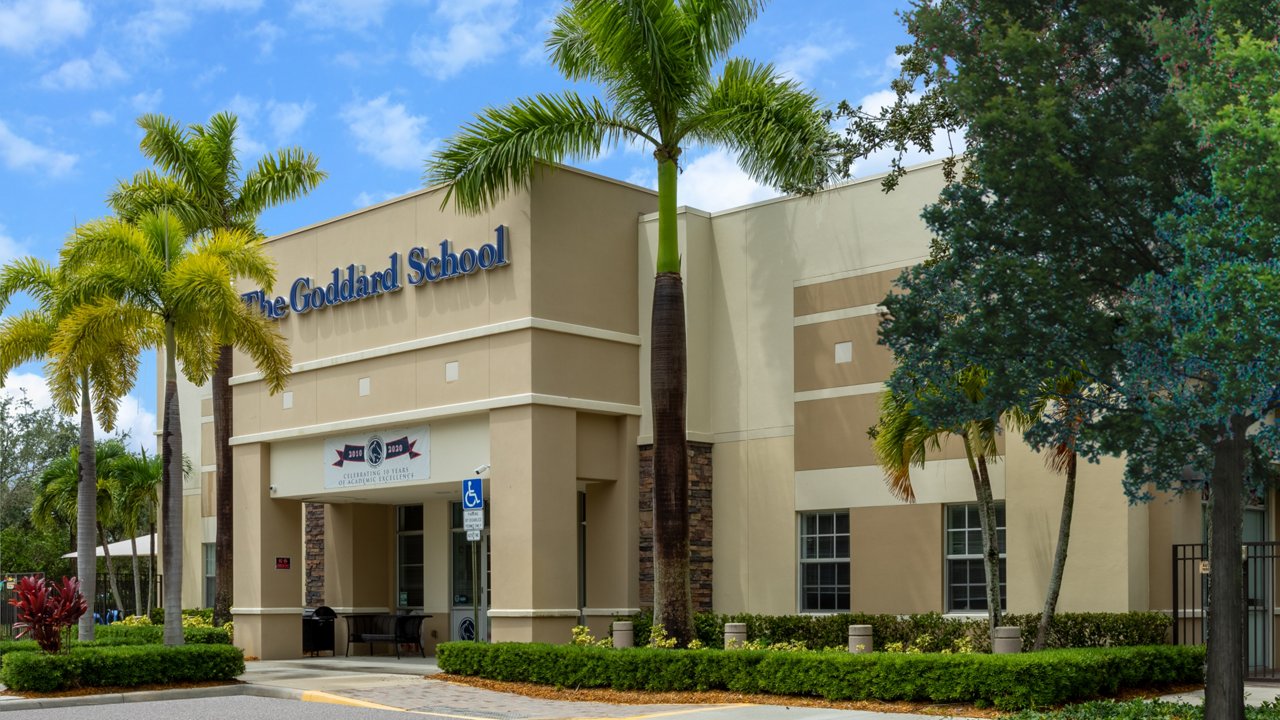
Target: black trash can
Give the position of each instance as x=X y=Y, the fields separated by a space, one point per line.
x=317 y=630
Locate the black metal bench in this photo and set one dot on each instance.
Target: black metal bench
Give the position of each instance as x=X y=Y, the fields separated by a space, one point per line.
x=373 y=628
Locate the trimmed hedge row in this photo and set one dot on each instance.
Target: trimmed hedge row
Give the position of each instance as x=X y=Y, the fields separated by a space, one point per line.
x=1141 y=710
x=117 y=634
x=120 y=666
x=930 y=632
x=1025 y=680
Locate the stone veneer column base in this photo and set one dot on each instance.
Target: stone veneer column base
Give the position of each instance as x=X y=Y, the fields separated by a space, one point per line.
x=700 y=547
x=313 y=538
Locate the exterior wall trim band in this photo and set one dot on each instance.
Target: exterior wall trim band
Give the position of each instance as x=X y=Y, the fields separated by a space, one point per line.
x=475 y=406
x=528 y=323
x=534 y=613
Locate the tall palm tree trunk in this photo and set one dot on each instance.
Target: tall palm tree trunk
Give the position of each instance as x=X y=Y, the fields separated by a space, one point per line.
x=672 y=597
x=151 y=564
x=1060 y=555
x=137 y=581
x=987 y=519
x=1224 y=688
x=87 y=512
x=171 y=443
x=223 y=574
x=111 y=568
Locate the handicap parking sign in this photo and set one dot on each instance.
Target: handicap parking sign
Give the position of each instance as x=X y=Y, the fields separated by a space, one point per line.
x=472 y=494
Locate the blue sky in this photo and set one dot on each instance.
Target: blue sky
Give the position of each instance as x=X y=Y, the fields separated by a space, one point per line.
x=370 y=86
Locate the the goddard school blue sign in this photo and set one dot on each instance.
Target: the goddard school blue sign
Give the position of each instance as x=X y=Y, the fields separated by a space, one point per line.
x=346 y=286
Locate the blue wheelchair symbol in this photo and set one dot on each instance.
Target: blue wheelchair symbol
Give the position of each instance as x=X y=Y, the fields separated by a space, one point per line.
x=472 y=494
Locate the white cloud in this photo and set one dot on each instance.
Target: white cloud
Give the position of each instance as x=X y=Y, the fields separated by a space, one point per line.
x=347 y=14
x=287 y=117
x=468 y=38
x=156 y=26
x=266 y=33
x=19 y=153
x=284 y=119
x=388 y=133
x=800 y=62
x=366 y=198
x=9 y=248
x=28 y=24
x=714 y=182
x=132 y=417
x=85 y=73
x=101 y=117
x=145 y=102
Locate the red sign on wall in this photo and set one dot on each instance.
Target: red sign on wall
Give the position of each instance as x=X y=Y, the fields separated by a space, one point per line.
x=282 y=563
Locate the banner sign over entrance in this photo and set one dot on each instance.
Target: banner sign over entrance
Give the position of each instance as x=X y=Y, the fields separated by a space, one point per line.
x=386 y=456
x=353 y=283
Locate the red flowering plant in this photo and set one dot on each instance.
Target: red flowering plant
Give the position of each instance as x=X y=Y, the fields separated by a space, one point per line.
x=45 y=608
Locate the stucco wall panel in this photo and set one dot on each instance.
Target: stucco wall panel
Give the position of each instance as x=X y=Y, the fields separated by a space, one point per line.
x=815 y=365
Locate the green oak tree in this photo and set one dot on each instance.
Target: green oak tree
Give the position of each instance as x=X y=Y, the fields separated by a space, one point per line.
x=668 y=84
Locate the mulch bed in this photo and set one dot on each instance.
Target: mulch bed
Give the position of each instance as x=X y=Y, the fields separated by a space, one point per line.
x=718 y=697
x=78 y=692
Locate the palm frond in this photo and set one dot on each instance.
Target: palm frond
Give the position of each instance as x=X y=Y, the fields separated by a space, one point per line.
x=717 y=24
x=241 y=253
x=260 y=339
x=498 y=151
x=279 y=177
x=773 y=124
x=148 y=192
x=23 y=338
x=29 y=275
x=166 y=144
x=900 y=439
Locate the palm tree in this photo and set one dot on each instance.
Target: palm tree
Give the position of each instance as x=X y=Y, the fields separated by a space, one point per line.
x=656 y=60
x=56 y=499
x=901 y=439
x=205 y=190
x=133 y=481
x=87 y=381
x=156 y=287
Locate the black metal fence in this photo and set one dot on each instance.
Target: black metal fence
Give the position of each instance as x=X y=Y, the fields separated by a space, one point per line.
x=104 y=605
x=1191 y=590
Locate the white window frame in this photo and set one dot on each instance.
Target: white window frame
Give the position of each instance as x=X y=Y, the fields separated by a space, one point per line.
x=947 y=556
x=420 y=534
x=835 y=559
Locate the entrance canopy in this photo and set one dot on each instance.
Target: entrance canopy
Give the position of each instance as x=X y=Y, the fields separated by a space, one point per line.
x=122 y=548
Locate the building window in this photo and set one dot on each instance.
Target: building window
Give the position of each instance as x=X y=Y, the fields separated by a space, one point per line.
x=210 y=573
x=409 y=554
x=824 y=561
x=966 y=576
x=463 y=559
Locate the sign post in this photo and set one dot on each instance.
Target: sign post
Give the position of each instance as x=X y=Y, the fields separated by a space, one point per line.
x=473 y=523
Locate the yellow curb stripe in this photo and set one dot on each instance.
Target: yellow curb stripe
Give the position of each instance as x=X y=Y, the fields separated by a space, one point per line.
x=331 y=699
x=670 y=713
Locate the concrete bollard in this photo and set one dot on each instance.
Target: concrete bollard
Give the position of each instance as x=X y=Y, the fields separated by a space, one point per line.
x=1006 y=640
x=624 y=634
x=735 y=635
x=859 y=638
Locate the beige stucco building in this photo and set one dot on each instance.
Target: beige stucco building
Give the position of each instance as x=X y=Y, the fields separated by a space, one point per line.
x=528 y=366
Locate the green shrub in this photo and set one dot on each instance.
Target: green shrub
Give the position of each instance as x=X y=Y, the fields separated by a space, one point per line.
x=1005 y=681
x=120 y=666
x=206 y=614
x=1140 y=710
x=930 y=632
x=154 y=634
